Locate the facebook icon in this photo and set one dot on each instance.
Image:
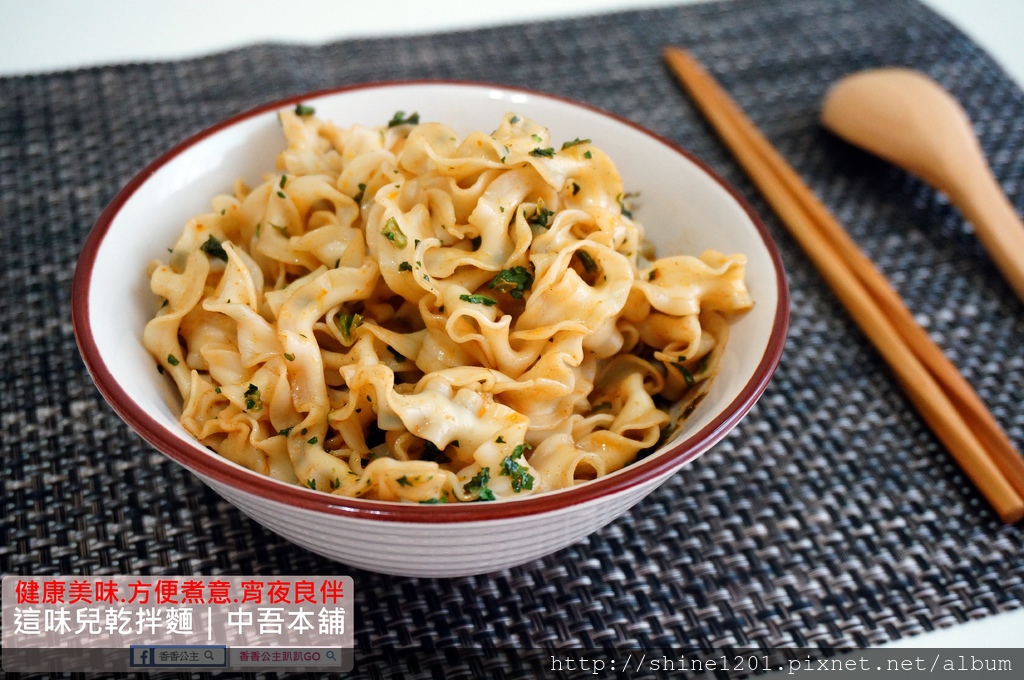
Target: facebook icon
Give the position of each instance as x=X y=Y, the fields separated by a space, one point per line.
x=142 y=656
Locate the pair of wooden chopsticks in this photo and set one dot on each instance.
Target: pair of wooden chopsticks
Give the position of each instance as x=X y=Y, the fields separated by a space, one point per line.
x=941 y=395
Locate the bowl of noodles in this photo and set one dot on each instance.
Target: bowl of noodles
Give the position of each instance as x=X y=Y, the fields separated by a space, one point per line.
x=430 y=328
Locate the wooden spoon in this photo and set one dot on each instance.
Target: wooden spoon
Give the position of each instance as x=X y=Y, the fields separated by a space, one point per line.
x=910 y=120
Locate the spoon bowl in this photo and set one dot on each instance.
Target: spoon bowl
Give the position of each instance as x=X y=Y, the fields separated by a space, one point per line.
x=909 y=120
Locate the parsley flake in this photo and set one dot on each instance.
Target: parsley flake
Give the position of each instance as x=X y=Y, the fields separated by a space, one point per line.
x=172 y=360
x=213 y=248
x=479 y=300
x=303 y=110
x=478 y=485
x=540 y=218
x=514 y=281
x=403 y=481
x=393 y=233
x=253 y=402
x=575 y=142
x=405 y=267
x=289 y=357
x=546 y=153
x=347 y=323
x=312 y=440
x=311 y=483
x=401 y=119
x=510 y=467
x=588 y=262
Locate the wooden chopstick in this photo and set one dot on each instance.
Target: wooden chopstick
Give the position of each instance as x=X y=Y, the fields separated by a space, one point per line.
x=928 y=378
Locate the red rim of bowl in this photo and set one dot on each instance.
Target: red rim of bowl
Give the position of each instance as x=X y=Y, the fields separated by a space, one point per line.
x=213 y=467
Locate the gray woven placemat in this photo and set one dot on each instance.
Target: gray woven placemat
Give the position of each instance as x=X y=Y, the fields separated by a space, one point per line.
x=830 y=517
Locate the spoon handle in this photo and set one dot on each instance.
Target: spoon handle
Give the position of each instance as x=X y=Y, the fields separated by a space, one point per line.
x=996 y=223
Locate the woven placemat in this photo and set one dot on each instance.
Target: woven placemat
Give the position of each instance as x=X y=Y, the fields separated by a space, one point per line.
x=830 y=517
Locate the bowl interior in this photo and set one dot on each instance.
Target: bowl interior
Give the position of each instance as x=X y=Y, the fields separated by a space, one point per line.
x=682 y=207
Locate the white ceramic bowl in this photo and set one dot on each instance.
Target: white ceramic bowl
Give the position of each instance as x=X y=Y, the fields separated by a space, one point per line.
x=685 y=209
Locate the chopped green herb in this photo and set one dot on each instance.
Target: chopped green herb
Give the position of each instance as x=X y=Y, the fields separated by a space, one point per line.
x=403 y=481
x=216 y=390
x=258 y=225
x=541 y=218
x=514 y=281
x=432 y=501
x=393 y=233
x=335 y=483
x=401 y=119
x=213 y=248
x=253 y=402
x=303 y=110
x=702 y=365
x=433 y=454
x=575 y=142
x=479 y=300
x=280 y=194
x=546 y=153
x=587 y=154
x=510 y=467
x=172 y=360
x=347 y=323
x=405 y=267
x=478 y=485
x=283 y=231
x=285 y=432
x=499 y=440
x=687 y=375
x=312 y=440
x=358 y=198
x=284 y=178
x=588 y=262
x=513 y=120
x=303 y=431
x=289 y=357
x=621 y=199
x=311 y=483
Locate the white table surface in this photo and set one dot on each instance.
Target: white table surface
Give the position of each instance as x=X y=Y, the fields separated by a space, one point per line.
x=37 y=36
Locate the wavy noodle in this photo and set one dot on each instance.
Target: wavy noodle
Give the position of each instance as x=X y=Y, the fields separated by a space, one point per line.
x=404 y=314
